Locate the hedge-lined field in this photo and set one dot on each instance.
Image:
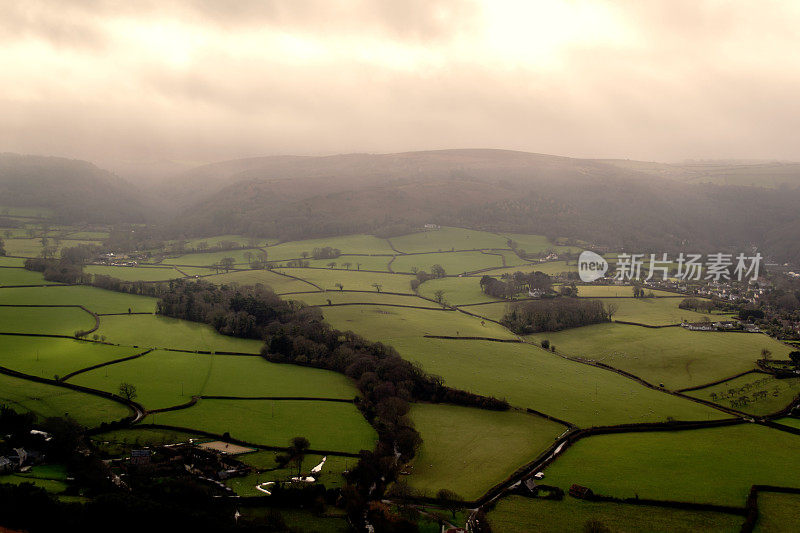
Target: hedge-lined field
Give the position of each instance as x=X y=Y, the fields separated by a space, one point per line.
x=94 y=299
x=457 y=291
x=49 y=320
x=352 y=279
x=279 y=284
x=156 y=331
x=327 y=425
x=348 y=244
x=600 y=291
x=46 y=357
x=549 y=267
x=777 y=512
x=756 y=394
x=468 y=450
x=447 y=238
x=452 y=262
x=20 y=276
x=337 y=297
x=716 y=465
x=655 y=311
x=135 y=273
x=677 y=357
x=518 y=514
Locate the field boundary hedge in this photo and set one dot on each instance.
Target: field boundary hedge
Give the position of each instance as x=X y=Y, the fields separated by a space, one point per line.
x=383 y=305
x=493 y=339
x=651 y=326
x=101 y=365
x=720 y=381
x=752 y=503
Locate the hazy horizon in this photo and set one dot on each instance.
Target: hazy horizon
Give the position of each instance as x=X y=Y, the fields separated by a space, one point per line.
x=147 y=85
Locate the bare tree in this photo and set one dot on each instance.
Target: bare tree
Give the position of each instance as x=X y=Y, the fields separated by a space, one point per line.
x=127 y=391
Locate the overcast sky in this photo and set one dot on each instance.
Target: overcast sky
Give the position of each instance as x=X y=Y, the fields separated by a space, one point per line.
x=206 y=80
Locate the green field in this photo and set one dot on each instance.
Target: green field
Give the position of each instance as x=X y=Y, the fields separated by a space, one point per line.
x=279 y=284
x=600 y=291
x=446 y=239
x=11 y=261
x=96 y=300
x=538 y=243
x=327 y=425
x=46 y=357
x=348 y=244
x=777 y=512
x=49 y=400
x=457 y=291
x=352 y=280
x=518 y=514
x=453 y=262
x=550 y=267
x=156 y=331
x=337 y=297
x=470 y=450
x=493 y=311
x=164 y=379
x=674 y=356
x=654 y=311
x=705 y=465
x=789 y=421
x=756 y=394
x=20 y=276
x=33 y=247
x=353 y=262
x=134 y=273
x=49 y=320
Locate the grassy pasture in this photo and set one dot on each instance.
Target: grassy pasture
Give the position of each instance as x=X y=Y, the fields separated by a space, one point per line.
x=789 y=421
x=49 y=400
x=337 y=297
x=20 y=276
x=446 y=239
x=654 y=311
x=348 y=244
x=704 y=465
x=518 y=514
x=279 y=284
x=241 y=240
x=674 y=356
x=33 y=247
x=88 y=235
x=537 y=243
x=602 y=291
x=327 y=425
x=37 y=212
x=142 y=436
x=493 y=311
x=134 y=273
x=11 y=261
x=50 y=320
x=452 y=262
x=357 y=262
x=469 y=450
x=353 y=280
x=764 y=393
x=457 y=291
x=777 y=512
x=209 y=258
x=550 y=267
x=155 y=331
x=94 y=299
x=46 y=357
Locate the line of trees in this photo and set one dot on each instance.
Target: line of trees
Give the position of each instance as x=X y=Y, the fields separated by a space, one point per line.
x=696 y=304
x=555 y=314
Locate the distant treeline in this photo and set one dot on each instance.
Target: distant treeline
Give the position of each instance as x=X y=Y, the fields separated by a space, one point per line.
x=555 y=314
x=511 y=285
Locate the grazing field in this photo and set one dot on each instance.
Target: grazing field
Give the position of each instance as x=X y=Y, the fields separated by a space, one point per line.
x=453 y=262
x=134 y=273
x=777 y=512
x=20 y=276
x=518 y=514
x=756 y=394
x=156 y=331
x=240 y=240
x=533 y=244
x=96 y=300
x=11 y=261
x=353 y=262
x=457 y=291
x=353 y=280
x=88 y=235
x=279 y=284
x=470 y=450
x=550 y=267
x=33 y=247
x=348 y=244
x=46 y=357
x=33 y=212
x=446 y=239
x=49 y=320
x=604 y=291
x=337 y=297
x=50 y=400
x=789 y=421
x=706 y=465
x=674 y=356
x=654 y=311
x=141 y=436
x=493 y=311
x=327 y=425
x=240 y=257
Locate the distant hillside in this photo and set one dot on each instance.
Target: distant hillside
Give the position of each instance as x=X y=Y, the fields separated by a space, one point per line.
x=77 y=191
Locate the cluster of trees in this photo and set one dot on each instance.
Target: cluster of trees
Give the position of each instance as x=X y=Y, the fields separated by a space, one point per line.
x=437 y=271
x=2 y=248
x=639 y=292
x=59 y=270
x=512 y=284
x=696 y=304
x=555 y=314
x=326 y=253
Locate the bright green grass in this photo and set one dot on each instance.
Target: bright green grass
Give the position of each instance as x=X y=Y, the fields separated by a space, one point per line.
x=600 y=291
x=279 y=284
x=155 y=331
x=382 y=323
x=715 y=465
x=96 y=300
x=674 y=356
x=653 y=311
x=336 y=297
x=50 y=320
x=493 y=311
x=457 y=291
x=777 y=512
x=518 y=514
x=525 y=375
x=470 y=450
x=353 y=280
x=348 y=244
x=327 y=425
x=11 y=261
x=134 y=273
x=452 y=262
x=446 y=239
x=50 y=485
x=209 y=258
x=756 y=394
x=550 y=268
x=533 y=244
x=142 y=436
x=49 y=400
x=20 y=276
x=46 y=357
x=789 y=421
x=357 y=262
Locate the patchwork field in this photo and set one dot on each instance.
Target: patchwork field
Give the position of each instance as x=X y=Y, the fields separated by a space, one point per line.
x=337 y=297
x=756 y=394
x=48 y=320
x=96 y=300
x=550 y=267
x=654 y=311
x=327 y=425
x=674 y=356
x=453 y=263
x=446 y=239
x=352 y=280
x=134 y=273
x=20 y=276
x=279 y=284
x=777 y=512
x=457 y=291
x=469 y=450
x=704 y=465
x=349 y=244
